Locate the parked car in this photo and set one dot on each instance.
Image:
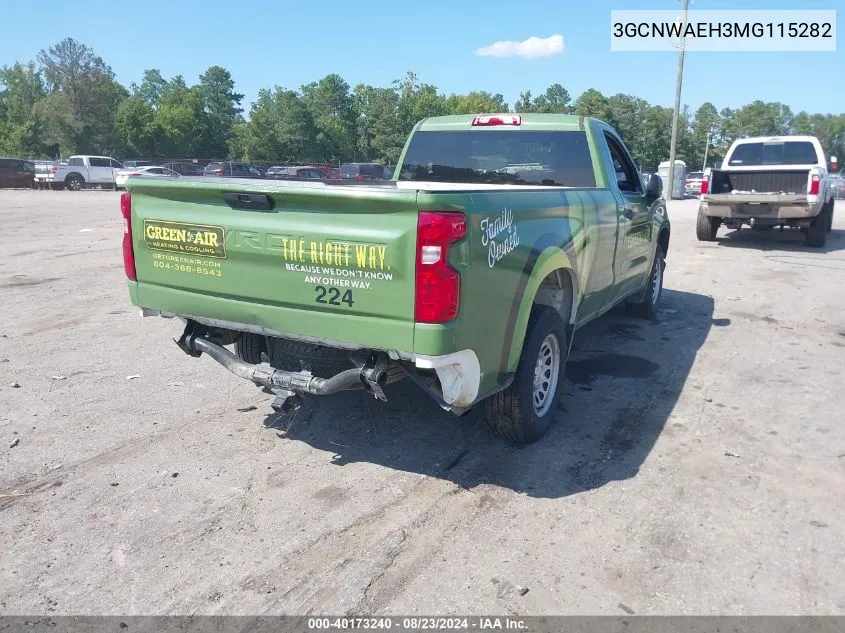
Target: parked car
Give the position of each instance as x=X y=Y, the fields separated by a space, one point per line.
x=302 y=172
x=692 y=184
x=185 y=168
x=82 y=171
x=132 y=164
x=471 y=274
x=257 y=171
x=768 y=182
x=837 y=185
x=45 y=171
x=362 y=171
x=155 y=171
x=16 y=172
x=230 y=169
x=332 y=171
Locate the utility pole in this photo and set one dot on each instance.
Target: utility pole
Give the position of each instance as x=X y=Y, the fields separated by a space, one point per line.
x=706 y=147
x=677 y=112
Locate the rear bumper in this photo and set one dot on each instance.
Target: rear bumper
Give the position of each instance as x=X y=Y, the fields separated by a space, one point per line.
x=774 y=206
x=459 y=373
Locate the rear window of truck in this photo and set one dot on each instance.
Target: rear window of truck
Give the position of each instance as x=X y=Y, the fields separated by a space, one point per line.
x=785 y=153
x=549 y=159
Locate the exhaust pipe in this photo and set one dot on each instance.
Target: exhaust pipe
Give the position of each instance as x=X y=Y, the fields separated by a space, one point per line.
x=267 y=376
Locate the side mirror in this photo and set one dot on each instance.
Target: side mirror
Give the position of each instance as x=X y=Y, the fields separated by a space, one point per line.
x=654 y=186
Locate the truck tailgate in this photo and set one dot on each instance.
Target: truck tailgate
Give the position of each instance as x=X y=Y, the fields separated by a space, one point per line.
x=285 y=257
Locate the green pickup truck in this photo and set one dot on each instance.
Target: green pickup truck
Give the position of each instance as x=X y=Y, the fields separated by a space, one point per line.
x=467 y=273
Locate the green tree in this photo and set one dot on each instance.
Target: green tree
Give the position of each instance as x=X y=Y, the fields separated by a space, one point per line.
x=21 y=126
x=417 y=101
x=380 y=131
x=280 y=128
x=133 y=124
x=524 y=103
x=331 y=106
x=594 y=104
x=705 y=129
x=221 y=105
x=555 y=100
x=88 y=84
x=153 y=87
x=476 y=102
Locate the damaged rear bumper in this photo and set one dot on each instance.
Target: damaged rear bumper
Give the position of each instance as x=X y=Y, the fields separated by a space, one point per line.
x=458 y=374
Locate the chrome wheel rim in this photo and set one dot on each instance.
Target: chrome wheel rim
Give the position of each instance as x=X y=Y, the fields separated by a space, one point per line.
x=546 y=372
x=656 y=282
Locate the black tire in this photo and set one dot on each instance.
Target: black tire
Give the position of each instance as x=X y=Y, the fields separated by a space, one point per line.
x=249 y=347
x=321 y=361
x=830 y=216
x=511 y=413
x=647 y=308
x=707 y=227
x=816 y=235
x=74 y=182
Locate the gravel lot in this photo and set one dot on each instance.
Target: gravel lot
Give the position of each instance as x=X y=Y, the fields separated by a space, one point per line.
x=697 y=465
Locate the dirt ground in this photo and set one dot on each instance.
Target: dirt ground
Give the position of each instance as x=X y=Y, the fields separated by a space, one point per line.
x=697 y=465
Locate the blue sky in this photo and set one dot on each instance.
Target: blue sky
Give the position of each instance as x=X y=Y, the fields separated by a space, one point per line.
x=290 y=43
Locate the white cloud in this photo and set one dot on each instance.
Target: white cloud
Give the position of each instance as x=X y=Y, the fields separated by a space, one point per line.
x=531 y=48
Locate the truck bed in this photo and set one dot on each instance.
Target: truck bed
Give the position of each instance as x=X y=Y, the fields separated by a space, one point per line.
x=759 y=181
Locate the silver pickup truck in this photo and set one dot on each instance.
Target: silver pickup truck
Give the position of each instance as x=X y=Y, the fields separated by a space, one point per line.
x=769 y=182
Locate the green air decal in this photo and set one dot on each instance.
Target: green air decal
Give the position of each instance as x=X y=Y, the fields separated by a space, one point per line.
x=188 y=239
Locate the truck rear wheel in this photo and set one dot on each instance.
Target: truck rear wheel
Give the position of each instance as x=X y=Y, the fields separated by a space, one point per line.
x=75 y=182
x=707 y=227
x=817 y=232
x=523 y=412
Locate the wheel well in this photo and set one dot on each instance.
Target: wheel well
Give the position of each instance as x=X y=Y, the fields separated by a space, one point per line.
x=72 y=174
x=663 y=241
x=557 y=291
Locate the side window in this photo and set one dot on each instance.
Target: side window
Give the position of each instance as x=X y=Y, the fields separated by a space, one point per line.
x=115 y=164
x=156 y=170
x=76 y=161
x=627 y=178
x=99 y=162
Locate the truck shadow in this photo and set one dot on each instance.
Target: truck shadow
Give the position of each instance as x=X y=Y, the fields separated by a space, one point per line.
x=787 y=240
x=624 y=377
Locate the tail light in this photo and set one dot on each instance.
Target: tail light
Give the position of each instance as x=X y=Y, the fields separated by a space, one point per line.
x=438 y=285
x=497 y=119
x=216 y=172
x=815 y=183
x=361 y=177
x=705 y=185
x=53 y=169
x=128 y=251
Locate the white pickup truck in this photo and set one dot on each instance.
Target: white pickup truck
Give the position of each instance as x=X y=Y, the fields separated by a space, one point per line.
x=84 y=171
x=768 y=182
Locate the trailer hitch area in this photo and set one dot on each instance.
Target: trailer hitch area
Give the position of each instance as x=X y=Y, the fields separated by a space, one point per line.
x=286 y=402
x=370 y=371
x=192 y=331
x=374 y=373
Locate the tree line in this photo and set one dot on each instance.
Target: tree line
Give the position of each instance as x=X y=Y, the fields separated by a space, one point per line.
x=68 y=101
